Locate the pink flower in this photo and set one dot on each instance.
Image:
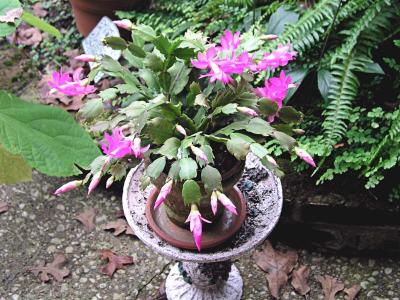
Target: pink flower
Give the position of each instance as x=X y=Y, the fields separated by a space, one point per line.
x=227 y=202
x=138 y=150
x=230 y=42
x=247 y=111
x=180 y=129
x=86 y=58
x=164 y=192
x=275 y=88
x=271 y=160
x=116 y=145
x=199 y=153
x=68 y=187
x=269 y=37
x=63 y=83
x=214 y=202
x=196 y=226
x=95 y=182
x=305 y=156
x=279 y=58
x=124 y=24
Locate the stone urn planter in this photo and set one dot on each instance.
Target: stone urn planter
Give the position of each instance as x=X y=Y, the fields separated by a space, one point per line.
x=88 y=13
x=209 y=274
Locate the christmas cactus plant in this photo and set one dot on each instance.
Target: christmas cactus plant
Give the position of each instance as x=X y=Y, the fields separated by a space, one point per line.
x=182 y=105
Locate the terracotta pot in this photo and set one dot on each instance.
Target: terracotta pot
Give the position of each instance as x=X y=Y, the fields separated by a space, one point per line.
x=177 y=211
x=89 y=12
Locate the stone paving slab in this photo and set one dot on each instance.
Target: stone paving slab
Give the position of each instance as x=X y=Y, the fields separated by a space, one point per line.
x=40 y=225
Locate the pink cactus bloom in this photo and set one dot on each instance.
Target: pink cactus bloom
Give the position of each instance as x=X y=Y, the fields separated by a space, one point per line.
x=227 y=202
x=137 y=149
x=199 y=153
x=63 y=83
x=271 y=160
x=109 y=182
x=230 y=42
x=95 y=182
x=124 y=24
x=247 y=111
x=214 y=202
x=164 y=192
x=116 y=145
x=86 y=58
x=304 y=155
x=180 y=129
x=279 y=58
x=68 y=187
x=196 y=226
x=276 y=88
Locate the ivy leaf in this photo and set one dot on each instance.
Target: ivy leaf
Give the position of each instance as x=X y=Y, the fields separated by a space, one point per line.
x=53 y=142
x=156 y=167
x=191 y=192
x=170 y=148
x=290 y=115
x=211 y=178
x=160 y=129
x=238 y=147
x=188 y=168
x=13 y=168
x=179 y=77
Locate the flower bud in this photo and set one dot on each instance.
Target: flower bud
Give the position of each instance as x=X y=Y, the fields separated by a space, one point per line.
x=304 y=155
x=214 y=202
x=124 y=24
x=94 y=183
x=68 y=187
x=298 y=131
x=86 y=58
x=199 y=153
x=247 y=111
x=180 y=129
x=109 y=182
x=269 y=37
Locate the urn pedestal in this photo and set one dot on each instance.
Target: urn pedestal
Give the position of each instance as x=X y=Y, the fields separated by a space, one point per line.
x=210 y=274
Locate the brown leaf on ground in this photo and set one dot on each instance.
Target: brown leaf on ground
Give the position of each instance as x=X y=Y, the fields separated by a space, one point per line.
x=25 y=35
x=277 y=265
x=87 y=218
x=54 y=268
x=11 y=15
x=352 y=292
x=299 y=280
x=120 y=213
x=3 y=207
x=38 y=10
x=115 y=262
x=119 y=227
x=71 y=54
x=330 y=285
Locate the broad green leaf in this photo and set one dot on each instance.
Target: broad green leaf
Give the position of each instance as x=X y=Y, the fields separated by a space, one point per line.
x=133 y=60
x=191 y=192
x=40 y=24
x=324 y=82
x=170 y=148
x=259 y=126
x=238 y=148
x=286 y=141
x=136 y=50
x=208 y=151
x=97 y=164
x=227 y=109
x=188 y=168
x=115 y=42
x=179 y=77
x=211 y=178
x=13 y=168
x=201 y=100
x=194 y=90
x=91 y=109
x=280 y=19
x=373 y=68
x=160 y=129
x=150 y=78
x=267 y=107
x=125 y=88
x=135 y=109
x=297 y=76
x=48 y=138
x=156 y=167
x=227 y=130
x=118 y=171
x=242 y=136
x=163 y=45
x=109 y=94
x=290 y=115
x=153 y=62
x=174 y=170
x=110 y=64
x=258 y=150
x=184 y=53
x=5 y=6
x=145 y=32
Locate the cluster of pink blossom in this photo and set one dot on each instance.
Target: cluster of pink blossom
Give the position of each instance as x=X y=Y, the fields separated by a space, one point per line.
x=70 y=86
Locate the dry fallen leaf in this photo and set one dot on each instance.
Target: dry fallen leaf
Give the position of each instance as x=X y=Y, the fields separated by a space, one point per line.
x=299 y=280
x=3 y=207
x=119 y=227
x=87 y=218
x=115 y=262
x=74 y=63
x=330 y=285
x=38 y=10
x=25 y=35
x=54 y=268
x=277 y=265
x=352 y=292
x=11 y=15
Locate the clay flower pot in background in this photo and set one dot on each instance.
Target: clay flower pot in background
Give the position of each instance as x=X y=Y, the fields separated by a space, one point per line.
x=89 y=12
